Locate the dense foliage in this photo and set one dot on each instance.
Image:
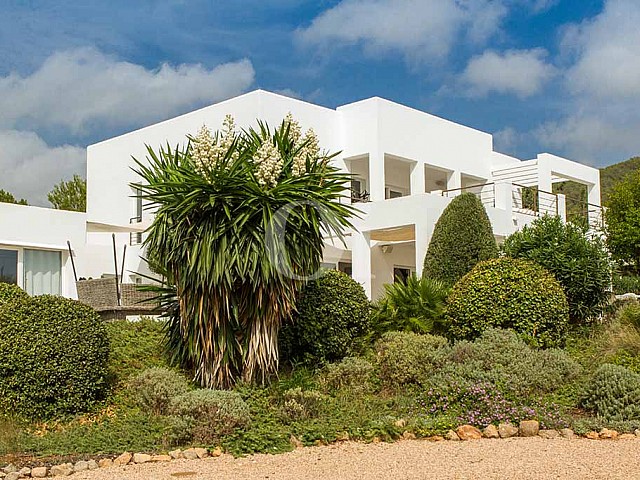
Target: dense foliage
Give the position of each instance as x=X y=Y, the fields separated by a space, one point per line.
x=69 y=195
x=154 y=388
x=626 y=284
x=614 y=393
x=53 y=357
x=10 y=293
x=611 y=175
x=414 y=306
x=509 y=293
x=333 y=313
x=461 y=238
x=239 y=227
x=579 y=261
x=623 y=221
x=7 y=197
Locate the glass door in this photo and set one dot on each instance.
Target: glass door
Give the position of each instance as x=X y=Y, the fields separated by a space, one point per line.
x=42 y=272
x=9 y=266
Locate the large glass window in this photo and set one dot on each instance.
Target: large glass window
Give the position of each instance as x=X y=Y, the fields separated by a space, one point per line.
x=42 y=272
x=9 y=266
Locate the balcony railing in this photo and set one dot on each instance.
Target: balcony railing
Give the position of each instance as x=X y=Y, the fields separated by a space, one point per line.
x=486 y=192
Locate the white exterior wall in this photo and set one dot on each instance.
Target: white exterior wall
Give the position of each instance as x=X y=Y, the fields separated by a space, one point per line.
x=370 y=131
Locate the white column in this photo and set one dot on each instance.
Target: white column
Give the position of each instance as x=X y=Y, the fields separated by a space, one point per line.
x=376 y=176
x=454 y=181
x=361 y=260
x=562 y=206
x=595 y=213
x=503 y=196
x=546 y=200
x=423 y=237
x=417 y=178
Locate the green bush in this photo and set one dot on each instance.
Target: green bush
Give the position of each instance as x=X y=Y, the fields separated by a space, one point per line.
x=333 y=315
x=511 y=294
x=406 y=358
x=53 y=357
x=417 y=306
x=10 y=292
x=614 y=394
x=629 y=314
x=352 y=372
x=626 y=284
x=302 y=404
x=461 y=238
x=580 y=262
x=154 y=388
x=215 y=413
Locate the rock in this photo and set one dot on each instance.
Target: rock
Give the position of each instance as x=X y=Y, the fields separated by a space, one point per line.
x=592 y=435
x=549 y=434
x=491 y=432
x=175 y=454
x=607 y=434
x=161 y=458
x=295 y=442
x=637 y=432
x=92 y=464
x=216 y=452
x=435 y=438
x=627 y=436
x=451 y=435
x=468 y=432
x=39 y=472
x=407 y=435
x=25 y=472
x=506 y=430
x=10 y=468
x=567 y=433
x=12 y=476
x=62 y=470
x=190 y=454
x=141 y=458
x=202 y=452
x=343 y=437
x=400 y=423
x=123 y=459
x=81 y=466
x=529 y=428
x=105 y=463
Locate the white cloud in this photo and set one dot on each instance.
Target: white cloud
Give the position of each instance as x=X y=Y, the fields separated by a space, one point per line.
x=30 y=167
x=84 y=89
x=419 y=29
x=602 y=116
x=519 y=72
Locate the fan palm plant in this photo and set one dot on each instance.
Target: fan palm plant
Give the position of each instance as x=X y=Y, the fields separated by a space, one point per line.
x=239 y=225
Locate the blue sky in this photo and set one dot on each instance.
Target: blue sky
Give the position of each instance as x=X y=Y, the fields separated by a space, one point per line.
x=541 y=75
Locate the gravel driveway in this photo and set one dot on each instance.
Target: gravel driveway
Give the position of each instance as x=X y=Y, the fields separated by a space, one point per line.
x=514 y=458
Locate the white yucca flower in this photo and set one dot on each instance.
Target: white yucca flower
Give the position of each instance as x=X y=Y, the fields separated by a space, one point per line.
x=208 y=153
x=202 y=147
x=310 y=150
x=269 y=163
x=295 y=131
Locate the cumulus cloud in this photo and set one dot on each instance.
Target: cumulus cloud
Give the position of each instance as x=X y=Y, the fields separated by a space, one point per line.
x=418 y=29
x=84 y=89
x=519 y=72
x=30 y=167
x=602 y=116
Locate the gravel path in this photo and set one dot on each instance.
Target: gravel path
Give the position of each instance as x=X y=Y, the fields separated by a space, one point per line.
x=514 y=458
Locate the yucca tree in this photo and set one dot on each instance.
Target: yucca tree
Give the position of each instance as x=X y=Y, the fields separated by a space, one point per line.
x=239 y=225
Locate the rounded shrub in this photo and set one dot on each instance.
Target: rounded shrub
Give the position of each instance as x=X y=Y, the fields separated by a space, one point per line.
x=461 y=238
x=154 y=388
x=10 y=292
x=211 y=413
x=354 y=373
x=511 y=294
x=614 y=394
x=333 y=314
x=53 y=357
x=579 y=261
x=406 y=358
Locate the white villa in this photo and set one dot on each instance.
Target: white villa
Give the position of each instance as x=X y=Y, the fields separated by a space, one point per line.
x=406 y=166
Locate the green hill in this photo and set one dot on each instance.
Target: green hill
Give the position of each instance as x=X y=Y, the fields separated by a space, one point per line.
x=612 y=174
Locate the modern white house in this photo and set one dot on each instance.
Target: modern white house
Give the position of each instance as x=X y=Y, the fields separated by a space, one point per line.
x=406 y=164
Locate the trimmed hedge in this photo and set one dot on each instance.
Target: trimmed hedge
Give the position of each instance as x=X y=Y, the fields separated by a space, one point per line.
x=578 y=261
x=511 y=294
x=461 y=238
x=333 y=315
x=53 y=357
x=10 y=292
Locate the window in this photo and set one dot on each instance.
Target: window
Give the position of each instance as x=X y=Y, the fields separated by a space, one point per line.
x=135 y=238
x=401 y=274
x=9 y=266
x=394 y=192
x=346 y=268
x=42 y=272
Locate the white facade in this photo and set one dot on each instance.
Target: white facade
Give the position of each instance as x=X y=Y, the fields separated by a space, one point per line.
x=407 y=165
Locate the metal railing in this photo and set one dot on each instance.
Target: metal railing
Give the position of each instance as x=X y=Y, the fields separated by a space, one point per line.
x=486 y=192
x=530 y=200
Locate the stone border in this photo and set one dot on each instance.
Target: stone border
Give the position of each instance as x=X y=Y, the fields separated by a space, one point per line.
x=526 y=428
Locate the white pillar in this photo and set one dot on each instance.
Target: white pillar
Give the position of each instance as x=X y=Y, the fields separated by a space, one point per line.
x=417 y=178
x=376 y=176
x=593 y=207
x=547 y=202
x=361 y=260
x=423 y=237
x=503 y=192
x=562 y=206
x=454 y=182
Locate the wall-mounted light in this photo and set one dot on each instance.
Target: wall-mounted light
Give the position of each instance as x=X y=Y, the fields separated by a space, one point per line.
x=386 y=248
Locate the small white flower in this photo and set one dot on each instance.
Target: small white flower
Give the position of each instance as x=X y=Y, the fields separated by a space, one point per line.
x=207 y=152
x=268 y=163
